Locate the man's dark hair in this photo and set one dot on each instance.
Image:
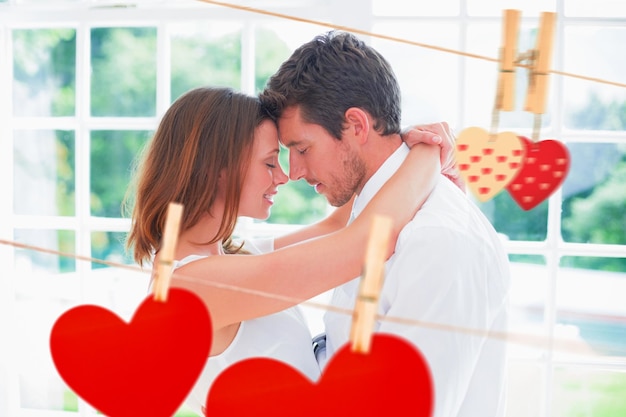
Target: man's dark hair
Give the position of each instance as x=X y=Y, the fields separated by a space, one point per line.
x=330 y=74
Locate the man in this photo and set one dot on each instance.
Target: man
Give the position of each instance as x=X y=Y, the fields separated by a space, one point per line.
x=337 y=104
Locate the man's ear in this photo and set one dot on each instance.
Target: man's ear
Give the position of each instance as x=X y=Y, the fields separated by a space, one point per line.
x=358 y=123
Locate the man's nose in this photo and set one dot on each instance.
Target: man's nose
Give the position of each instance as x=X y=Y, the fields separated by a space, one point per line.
x=296 y=169
x=280 y=177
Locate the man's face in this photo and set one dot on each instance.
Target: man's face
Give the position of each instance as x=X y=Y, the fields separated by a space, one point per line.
x=332 y=166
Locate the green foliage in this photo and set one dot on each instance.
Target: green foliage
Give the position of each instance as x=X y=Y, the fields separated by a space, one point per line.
x=298 y=203
x=270 y=53
x=527 y=259
x=581 y=394
x=600 y=217
x=44 y=69
x=511 y=220
x=70 y=401
x=197 y=62
x=598 y=115
x=67 y=244
x=66 y=172
x=112 y=157
x=109 y=246
x=123 y=81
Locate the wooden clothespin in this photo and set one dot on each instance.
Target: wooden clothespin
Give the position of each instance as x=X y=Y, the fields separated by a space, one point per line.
x=165 y=264
x=366 y=305
x=540 y=65
x=539 y=60
x=505 y=99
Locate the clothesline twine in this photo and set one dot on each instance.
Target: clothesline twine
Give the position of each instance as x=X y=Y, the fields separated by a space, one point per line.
x=401 y=40
x=535 y=341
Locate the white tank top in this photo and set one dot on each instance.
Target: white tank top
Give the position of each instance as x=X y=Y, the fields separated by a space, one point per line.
x=283 y=336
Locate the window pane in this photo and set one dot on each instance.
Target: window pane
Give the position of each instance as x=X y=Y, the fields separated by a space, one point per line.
x=415 y=8
x=112 y=156
x=44 y=283
x=123 y=77
x=594 y=195
x=39 y=302
x=590 y=302
x=481 y=76
x=495 y=7
x=33 y=263
x=529 y=286
x=205 y=53
x=44 y=72
x=525 y=389
x=44 y=173
x=596 y=8
x=429 y=79
x=593 y=51
x=109 y=247
x=588 y=392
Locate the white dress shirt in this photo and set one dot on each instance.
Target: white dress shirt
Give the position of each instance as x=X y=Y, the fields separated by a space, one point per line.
x=449 y=268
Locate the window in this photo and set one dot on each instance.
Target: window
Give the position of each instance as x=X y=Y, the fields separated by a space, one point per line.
x=84 y=84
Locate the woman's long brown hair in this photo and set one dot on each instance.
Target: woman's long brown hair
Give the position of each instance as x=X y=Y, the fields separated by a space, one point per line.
x=205 y=131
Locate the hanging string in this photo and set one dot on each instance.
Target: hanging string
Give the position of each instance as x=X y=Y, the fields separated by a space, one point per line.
x=399 y=40
x=535 y=341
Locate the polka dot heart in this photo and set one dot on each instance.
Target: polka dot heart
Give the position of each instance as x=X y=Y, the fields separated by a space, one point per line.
x=545 y=167
x=488 y=163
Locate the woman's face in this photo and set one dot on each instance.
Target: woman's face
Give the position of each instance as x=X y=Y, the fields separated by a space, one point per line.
x=264 y=174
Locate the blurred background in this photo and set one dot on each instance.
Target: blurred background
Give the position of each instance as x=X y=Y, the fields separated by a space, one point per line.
x=83 y=84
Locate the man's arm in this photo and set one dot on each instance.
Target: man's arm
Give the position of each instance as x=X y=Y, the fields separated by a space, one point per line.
x=453 y=285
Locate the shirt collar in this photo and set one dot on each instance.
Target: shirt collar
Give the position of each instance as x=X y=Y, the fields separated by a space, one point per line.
x=379 y=178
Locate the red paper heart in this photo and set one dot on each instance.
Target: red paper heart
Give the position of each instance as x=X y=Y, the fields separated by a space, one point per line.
x=142 y=368
x=545 y=167
x=392 y=379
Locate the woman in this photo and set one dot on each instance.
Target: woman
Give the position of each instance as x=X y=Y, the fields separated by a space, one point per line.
x=216 y=152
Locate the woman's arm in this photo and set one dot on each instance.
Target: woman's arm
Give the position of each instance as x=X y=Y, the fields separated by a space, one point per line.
x=301 y=271
x=415 y=135
x=431 y=134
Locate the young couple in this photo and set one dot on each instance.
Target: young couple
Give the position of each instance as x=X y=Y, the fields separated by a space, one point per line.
x=335 y=104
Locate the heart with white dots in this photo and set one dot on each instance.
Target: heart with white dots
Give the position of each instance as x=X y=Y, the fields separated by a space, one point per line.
x=488 y=163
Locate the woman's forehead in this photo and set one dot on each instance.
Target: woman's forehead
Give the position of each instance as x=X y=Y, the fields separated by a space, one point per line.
x=266 y=138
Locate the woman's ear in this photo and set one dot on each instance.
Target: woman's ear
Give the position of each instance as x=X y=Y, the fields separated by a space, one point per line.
x=358 y=123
